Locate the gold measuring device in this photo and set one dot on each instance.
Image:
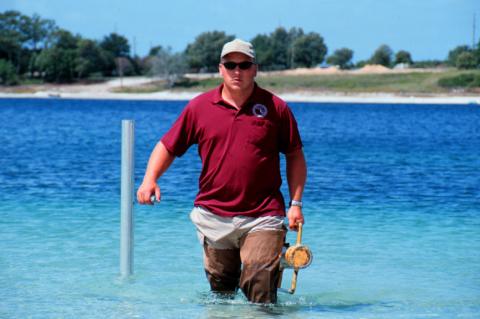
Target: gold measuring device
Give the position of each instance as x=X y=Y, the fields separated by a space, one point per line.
x=295 y=257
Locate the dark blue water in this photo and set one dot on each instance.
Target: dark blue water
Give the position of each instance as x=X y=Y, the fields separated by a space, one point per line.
x=392 y=214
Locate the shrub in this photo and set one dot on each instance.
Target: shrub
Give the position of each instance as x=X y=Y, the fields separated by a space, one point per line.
x=465 y=80
x=466 y=60
x=428 y=64
x=453 y=54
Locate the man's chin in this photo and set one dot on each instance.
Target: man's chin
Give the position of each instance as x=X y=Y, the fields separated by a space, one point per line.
x=236 y=87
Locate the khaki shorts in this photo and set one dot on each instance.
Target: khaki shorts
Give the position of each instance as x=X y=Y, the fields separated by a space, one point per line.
x=225 y=232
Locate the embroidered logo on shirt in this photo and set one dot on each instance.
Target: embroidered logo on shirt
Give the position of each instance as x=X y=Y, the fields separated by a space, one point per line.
x=259 y=110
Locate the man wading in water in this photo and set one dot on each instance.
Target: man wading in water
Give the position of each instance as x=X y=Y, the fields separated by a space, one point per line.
x=239 y=210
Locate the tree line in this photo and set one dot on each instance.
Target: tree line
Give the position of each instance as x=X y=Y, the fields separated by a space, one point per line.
x=33 y=48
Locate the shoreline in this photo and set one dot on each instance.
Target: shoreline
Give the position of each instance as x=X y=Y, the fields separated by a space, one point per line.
x=306 y=96
x=105 y=91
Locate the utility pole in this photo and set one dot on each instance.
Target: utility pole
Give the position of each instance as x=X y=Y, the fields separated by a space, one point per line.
x=473 y=31
x=134 y=46
x=292 y=58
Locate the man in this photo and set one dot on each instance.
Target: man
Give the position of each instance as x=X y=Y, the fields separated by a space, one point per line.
x=239 y=210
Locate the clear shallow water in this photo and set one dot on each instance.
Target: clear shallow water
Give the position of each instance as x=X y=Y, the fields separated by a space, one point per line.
x=393 y=215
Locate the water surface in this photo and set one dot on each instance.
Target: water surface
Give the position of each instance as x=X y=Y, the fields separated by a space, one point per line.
x=392 y=215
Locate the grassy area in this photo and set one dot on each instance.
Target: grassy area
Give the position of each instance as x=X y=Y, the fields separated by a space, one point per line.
x=356 y=83
x=420 y=83
x=400 y=83
x=18 y=89
x=29 y=81
x=161 y=85
x=151 y=87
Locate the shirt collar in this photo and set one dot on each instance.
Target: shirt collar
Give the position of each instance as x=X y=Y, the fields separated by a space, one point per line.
x=217 y=96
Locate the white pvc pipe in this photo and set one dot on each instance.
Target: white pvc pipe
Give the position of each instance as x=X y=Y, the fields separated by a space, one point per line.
x=126 y=223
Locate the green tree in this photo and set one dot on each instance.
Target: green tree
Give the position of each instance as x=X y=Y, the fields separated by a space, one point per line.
x=59 y=63
x=66 y=40
x=137 y=65
x=21 y=38
x=466 y=60
x=155 y=50
x=476 y=53
x=284 y=49
x=279 y=47
x=263 y=52
x=204 y=53
x=382 y=56
x=293 y=35
x=11 y=37
x=308 y=50
x=274 y=51
x=403 y=56
x=341 y=57
x=8 y=75
x=38 y=32
x=113 y=46
x=360 y=64
x=455 y=53
x=116 y=44
x=89 y=58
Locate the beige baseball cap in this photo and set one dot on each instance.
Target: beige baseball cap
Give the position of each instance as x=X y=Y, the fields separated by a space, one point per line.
x=240 y=46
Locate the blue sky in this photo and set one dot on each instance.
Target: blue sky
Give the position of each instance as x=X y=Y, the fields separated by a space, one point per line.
x=426 y=28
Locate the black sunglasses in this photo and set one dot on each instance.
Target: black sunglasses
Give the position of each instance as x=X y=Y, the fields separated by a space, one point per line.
x=245 y=65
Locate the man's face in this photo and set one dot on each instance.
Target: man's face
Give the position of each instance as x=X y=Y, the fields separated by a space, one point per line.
x=237 y=79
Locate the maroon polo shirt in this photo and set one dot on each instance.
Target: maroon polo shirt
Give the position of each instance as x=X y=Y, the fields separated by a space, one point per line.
x=239 y=151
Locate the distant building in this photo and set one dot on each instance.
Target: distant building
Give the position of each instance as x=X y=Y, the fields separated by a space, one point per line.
x=402 y=66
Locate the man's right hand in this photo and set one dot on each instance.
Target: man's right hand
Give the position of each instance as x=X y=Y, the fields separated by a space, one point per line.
x=145 y=192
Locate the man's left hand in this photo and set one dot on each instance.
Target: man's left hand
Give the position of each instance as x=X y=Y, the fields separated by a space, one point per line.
x=295 y=217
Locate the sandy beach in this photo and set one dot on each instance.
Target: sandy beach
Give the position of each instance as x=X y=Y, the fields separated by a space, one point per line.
x=105 y=90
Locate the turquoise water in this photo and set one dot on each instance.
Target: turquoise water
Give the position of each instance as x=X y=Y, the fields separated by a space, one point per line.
x=392 y=215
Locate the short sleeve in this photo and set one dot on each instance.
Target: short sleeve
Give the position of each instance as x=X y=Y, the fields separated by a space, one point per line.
x=182 y=133
x=289 y=136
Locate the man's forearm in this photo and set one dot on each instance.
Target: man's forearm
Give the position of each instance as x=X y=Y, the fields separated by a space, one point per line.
x=159 y=161
x=296 y=174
